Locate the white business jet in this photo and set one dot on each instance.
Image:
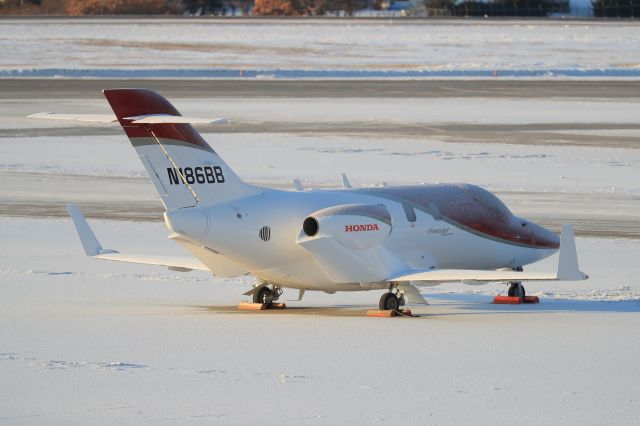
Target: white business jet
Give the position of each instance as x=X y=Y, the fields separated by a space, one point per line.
x=348 y=239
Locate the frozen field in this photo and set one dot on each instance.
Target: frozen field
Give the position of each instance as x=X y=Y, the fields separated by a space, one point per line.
x=90 y=342
x=267 y=49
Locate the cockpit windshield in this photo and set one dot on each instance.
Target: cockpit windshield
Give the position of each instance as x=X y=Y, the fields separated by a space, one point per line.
x=487 y=200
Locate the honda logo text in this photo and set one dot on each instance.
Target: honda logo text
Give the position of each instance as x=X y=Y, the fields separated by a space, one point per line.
x=360 y=228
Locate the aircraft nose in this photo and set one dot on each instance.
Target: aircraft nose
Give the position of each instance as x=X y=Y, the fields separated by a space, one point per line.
x=537 y=235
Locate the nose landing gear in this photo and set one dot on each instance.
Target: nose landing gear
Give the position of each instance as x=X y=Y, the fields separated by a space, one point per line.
x=516 y=289
x=516 y=295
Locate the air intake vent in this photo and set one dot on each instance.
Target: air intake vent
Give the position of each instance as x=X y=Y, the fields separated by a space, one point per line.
x=265 y=233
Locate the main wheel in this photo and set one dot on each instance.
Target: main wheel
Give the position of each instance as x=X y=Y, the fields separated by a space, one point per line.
x=263 y=295
x=389 y=302
x=516 y=290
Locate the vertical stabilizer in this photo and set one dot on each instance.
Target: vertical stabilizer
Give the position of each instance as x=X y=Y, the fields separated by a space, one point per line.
x=185 y=170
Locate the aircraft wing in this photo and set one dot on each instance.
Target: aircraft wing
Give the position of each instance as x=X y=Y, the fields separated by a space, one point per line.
x=175 y=263
x=568 y=269
x=215 y=263
x=469 y=276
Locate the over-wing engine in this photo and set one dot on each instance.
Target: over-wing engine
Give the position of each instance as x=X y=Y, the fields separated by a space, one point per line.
x=347 y=242
x=355 y=226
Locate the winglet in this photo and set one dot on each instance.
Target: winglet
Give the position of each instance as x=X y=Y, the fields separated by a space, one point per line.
x=568 y=269
x=88 y=239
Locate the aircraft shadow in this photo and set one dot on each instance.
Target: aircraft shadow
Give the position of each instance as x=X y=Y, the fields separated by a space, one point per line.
x=326 y=311
x=460 y=304
x=483 y=303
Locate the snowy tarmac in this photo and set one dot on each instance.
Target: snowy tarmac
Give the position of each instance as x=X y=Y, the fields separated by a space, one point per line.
x=91 y=342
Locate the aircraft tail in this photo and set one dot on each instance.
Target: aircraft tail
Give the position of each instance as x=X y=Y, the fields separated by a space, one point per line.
x=185 y=170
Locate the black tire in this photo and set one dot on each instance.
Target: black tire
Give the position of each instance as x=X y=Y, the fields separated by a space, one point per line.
x=389 y=302
x=516 y=290
x=263 y=295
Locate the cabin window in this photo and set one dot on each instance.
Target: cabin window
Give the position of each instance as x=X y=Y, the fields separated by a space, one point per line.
x=435 y=211
x=409 y=212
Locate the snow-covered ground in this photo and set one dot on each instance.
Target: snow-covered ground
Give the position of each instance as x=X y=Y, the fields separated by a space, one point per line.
x=85 y=341
x=460 y=45
x=90 y=342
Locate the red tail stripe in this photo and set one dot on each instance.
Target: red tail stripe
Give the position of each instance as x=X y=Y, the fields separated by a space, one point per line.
x=135 y=102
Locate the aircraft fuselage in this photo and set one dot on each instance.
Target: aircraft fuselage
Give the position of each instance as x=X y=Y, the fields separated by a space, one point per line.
x=444 y=226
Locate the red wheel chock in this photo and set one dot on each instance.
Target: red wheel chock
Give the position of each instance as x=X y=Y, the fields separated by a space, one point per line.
x=512 y=300
x=247 y=306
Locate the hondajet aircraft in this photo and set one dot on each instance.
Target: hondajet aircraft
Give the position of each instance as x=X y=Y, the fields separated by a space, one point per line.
x=350 y=239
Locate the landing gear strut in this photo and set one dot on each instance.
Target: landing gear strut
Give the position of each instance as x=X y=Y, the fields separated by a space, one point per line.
x=516 y=289
x=266 y=295
x=391 y=300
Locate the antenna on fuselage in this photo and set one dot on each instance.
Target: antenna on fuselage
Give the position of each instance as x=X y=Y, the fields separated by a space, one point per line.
x=298 y=185
x=345 y=181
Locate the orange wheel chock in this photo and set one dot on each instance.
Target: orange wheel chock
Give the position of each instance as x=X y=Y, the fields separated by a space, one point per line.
x=507 y=300
x=389 y=313
x=512 y=300
x=247 y=306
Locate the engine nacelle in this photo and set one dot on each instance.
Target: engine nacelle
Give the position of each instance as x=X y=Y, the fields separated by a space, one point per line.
x=355 y=226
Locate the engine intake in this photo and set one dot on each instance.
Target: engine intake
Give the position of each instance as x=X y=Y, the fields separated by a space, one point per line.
x=310 y=226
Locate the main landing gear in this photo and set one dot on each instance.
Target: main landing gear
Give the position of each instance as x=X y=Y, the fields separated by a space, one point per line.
x=266 y=295
x=391 y=300
x=390 y=303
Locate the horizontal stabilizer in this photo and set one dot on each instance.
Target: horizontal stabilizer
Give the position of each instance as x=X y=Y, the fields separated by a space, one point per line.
x=89 y=118
x=174 y=119
x=139 y=119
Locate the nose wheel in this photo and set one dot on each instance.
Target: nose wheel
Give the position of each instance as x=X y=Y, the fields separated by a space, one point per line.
x=516 y=289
